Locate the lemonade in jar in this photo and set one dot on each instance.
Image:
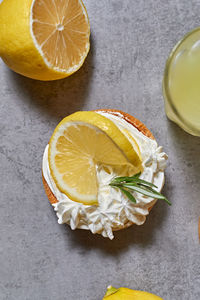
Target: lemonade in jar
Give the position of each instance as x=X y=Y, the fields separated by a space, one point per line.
x=181 y=83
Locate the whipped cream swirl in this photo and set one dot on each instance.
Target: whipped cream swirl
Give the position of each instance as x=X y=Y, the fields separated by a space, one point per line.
x=115 y=211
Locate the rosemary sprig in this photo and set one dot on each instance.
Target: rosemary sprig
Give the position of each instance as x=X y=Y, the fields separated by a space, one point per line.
x=128 y=194
x=129 y=184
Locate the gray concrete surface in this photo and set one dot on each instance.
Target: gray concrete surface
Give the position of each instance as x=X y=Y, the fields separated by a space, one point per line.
x=40 y=259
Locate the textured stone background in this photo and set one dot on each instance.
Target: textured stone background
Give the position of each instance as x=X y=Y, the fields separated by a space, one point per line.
x=40 y=259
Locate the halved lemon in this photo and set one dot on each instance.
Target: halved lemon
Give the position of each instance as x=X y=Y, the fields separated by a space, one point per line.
x=76 y=148
x=44 y=39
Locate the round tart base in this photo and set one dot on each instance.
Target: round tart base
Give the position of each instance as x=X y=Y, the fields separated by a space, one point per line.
x=130 y=119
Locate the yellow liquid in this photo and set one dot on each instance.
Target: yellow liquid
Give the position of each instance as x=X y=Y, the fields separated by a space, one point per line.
x=184 y=82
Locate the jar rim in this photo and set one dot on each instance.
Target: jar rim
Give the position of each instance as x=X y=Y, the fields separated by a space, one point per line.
x=166 y=92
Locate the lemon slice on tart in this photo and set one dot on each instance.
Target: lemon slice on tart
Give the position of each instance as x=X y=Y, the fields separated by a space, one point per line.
x=80 y=143
x=133 y=141
x=44 y=39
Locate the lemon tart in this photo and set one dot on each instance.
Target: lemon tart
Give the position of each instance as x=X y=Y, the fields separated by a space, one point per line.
x=85 y=153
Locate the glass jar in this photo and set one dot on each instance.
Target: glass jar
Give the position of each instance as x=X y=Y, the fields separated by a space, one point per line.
x=181 y=83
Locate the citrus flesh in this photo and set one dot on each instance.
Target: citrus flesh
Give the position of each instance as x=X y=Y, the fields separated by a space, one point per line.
x=77 y=148
x=128 y=294
x=112 y=131
x=44 y=39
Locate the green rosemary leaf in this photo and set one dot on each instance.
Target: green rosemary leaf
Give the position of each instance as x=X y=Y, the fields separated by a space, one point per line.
x=145 y=192
x=149 y=188
x=142 y=190
x=144 y=182
x=141 y=185
x=134 y=178
x=128 y=194
x=157 y=193
x=122 y=179
x=134 y=183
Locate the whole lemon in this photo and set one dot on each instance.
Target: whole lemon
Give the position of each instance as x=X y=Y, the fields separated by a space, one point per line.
x=128 y=294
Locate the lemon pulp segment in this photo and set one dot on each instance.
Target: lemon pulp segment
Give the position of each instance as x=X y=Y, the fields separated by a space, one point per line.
x=61 y=32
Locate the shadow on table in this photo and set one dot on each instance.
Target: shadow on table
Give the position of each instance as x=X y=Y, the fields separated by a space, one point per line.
x=188 y=152
x=56 y=98
x=187 y=146
x=141 y=236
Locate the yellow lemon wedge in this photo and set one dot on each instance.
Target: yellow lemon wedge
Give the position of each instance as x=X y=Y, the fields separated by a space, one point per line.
x=134 y=143
x=44 y=39
x=128 y=294
x=111 y=130
x=77 y=147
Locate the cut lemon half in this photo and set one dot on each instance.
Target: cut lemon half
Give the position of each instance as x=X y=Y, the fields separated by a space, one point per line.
x=44 y=39
x=77 y=147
